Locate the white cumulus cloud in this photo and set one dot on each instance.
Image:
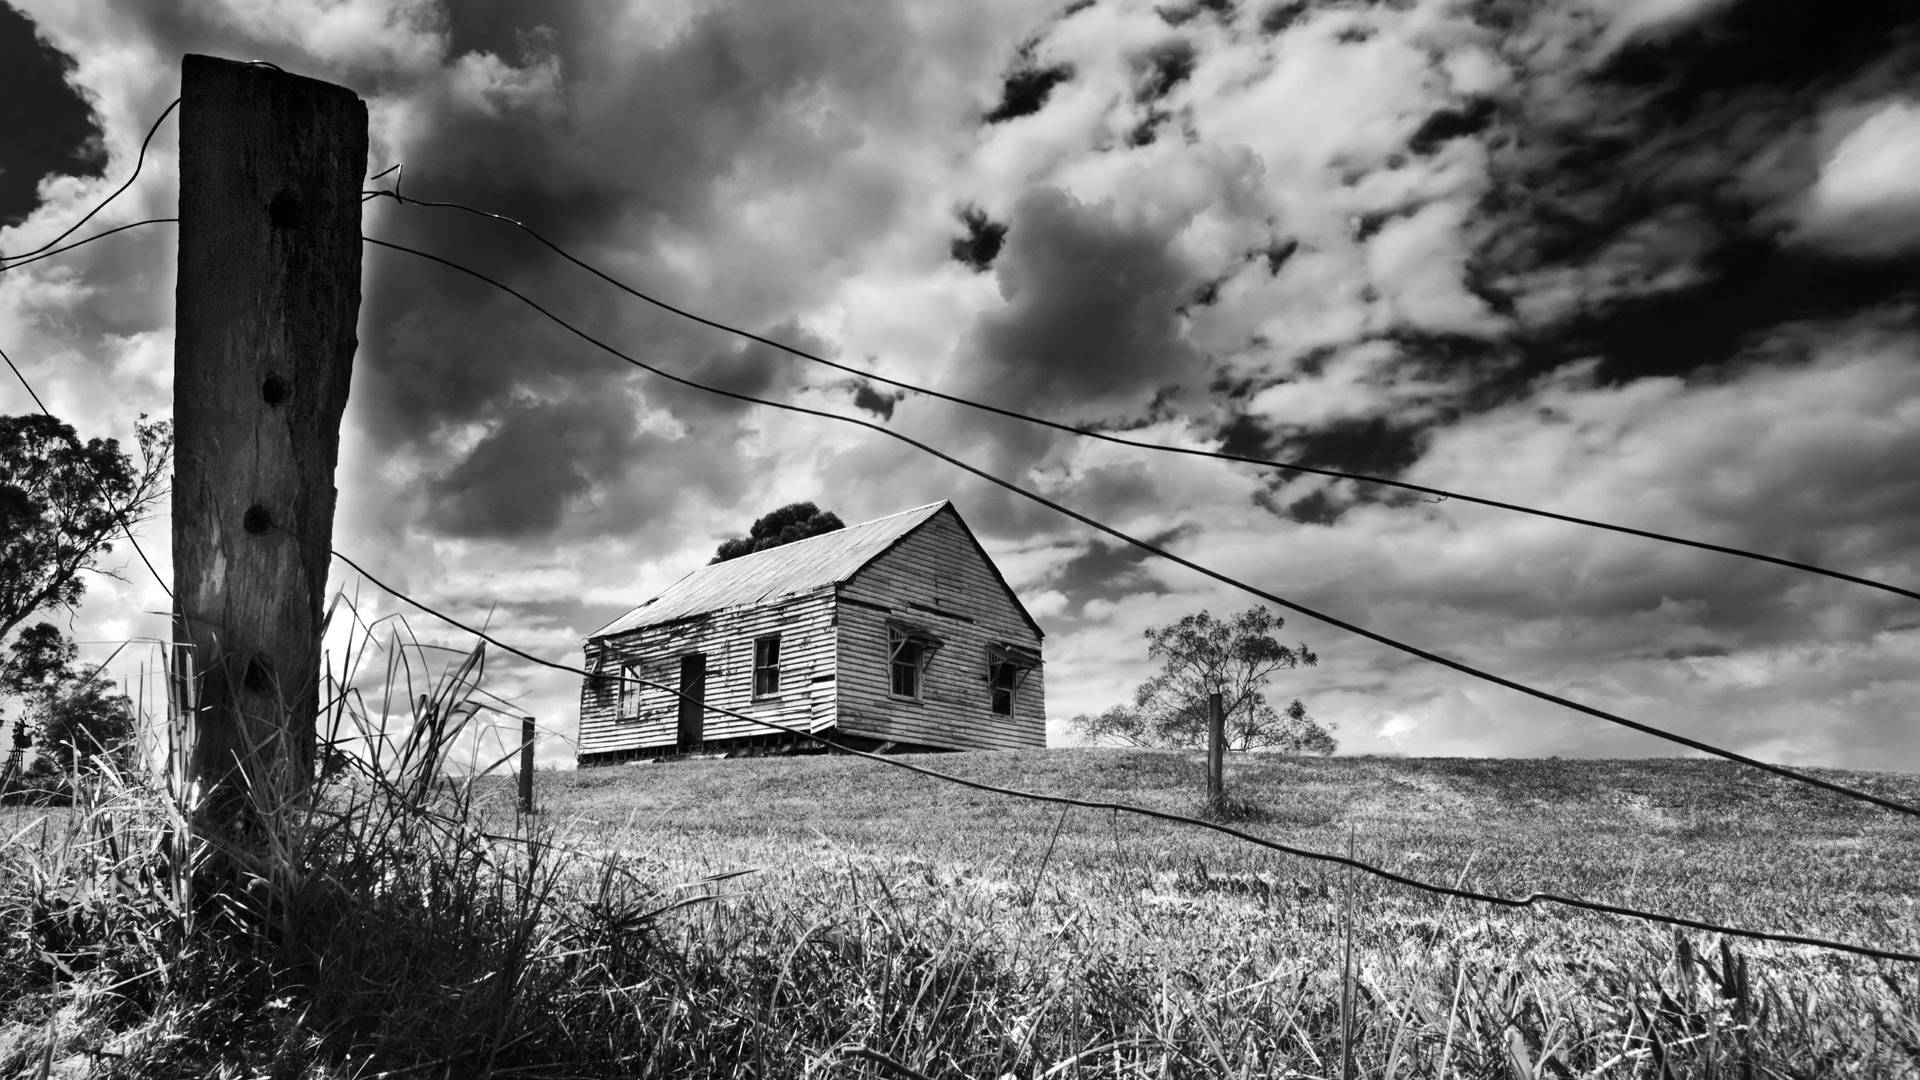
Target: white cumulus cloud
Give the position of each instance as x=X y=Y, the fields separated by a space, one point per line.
x=1867 y=198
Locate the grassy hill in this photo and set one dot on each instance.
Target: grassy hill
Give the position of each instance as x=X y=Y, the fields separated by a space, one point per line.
x=1192 y=947
x=1708 y=839
x=829 y=916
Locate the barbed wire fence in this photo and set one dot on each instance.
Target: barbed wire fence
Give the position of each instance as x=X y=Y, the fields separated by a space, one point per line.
x=54 y=248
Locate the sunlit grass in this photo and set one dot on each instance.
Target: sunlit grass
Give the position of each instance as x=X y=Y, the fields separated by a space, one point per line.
x=1177 y=946
x=828 y=916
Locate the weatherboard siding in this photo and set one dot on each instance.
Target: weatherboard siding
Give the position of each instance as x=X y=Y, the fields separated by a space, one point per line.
x=936 y=578
x=651 y=720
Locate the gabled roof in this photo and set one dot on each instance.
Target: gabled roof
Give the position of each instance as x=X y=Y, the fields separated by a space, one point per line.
x=764 y=576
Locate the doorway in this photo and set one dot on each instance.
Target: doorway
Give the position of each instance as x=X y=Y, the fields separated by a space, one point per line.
x=693 y=700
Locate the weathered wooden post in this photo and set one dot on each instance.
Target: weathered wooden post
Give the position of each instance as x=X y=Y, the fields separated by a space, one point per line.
x=526 y=764
x=267 y=300
x=1216 y=752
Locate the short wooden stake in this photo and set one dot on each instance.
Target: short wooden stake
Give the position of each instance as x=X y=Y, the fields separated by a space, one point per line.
x=268 y=296
x=526 y=764
x=1216 y=751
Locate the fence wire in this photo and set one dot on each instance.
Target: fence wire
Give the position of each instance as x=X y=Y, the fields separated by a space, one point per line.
x=1156 y=550
x=53 y=248
x=1529 y=900
x=1139 y=444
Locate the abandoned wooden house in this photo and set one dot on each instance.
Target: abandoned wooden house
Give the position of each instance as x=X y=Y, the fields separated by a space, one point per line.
x=894 y=634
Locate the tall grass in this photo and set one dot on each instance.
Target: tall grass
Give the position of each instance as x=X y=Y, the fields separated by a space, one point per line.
x=391 y=923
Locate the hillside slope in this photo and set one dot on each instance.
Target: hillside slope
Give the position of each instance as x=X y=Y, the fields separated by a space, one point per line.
x=1705 y=839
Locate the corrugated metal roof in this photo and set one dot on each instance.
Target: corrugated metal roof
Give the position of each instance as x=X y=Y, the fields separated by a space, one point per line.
x=788 y=570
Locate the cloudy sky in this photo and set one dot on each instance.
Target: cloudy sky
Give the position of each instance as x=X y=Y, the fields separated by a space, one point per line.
x=1650 y=261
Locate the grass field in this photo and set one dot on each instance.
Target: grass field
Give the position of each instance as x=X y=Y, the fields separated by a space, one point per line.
x=828 y=916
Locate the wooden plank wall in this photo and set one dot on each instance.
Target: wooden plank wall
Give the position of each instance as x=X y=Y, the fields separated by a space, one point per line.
x=936 y=578
x=651 y=718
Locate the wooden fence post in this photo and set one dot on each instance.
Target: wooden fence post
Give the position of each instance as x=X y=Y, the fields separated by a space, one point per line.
x=526 y=764
x=1216 y=751
x=271 y=167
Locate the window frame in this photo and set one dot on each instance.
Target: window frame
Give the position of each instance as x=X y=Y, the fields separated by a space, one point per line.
x=627 y=692
x=995 y=666
x=1021 y=661
x=895 y=666
x=771 y=643
x=899 y=636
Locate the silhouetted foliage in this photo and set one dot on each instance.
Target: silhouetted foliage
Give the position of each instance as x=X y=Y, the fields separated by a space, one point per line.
x=794 y=521
x=1200 y=655
x=58 y=501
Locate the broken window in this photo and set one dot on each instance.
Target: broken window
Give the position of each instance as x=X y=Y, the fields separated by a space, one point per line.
x=766 y=666
x=1007 y=668
x=1002 y=679
x=910 y=650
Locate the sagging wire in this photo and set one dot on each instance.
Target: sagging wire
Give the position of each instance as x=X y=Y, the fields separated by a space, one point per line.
x=1140 y=444
x=138 y=164
x=1529 y=900
x=1154 y=549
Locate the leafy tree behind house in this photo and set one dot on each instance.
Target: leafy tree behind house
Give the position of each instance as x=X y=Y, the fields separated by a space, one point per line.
x=62 y=503
x=794 y=521
x=1237 y=656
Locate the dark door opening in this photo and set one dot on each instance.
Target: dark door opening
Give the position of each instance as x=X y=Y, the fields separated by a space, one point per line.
x=693 y=690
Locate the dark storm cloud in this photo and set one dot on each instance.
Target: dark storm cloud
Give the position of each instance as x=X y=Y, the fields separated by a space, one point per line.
x=48 y=128
x=1640 y=209
x=619 y=140
x=1027 y=88
x=982 y=243
x=517 y=481
x=742 y=367
x=1469 y=118
x=1779 y=44
x=1162 y=68
x=877 y=402
x=1090 y=327
x=1104 y=571
x=577 y=467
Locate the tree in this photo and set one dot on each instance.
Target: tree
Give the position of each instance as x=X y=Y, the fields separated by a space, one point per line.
x=1200 y=655
x=62 y=501
x=35 y=663
x=86 y=723
x=794 y=521
x=74 y=716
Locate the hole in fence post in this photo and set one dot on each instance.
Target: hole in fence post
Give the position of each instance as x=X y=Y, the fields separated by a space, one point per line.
x=273 y=390
x=259 y=677
x=256 y=520
x=284 y=210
